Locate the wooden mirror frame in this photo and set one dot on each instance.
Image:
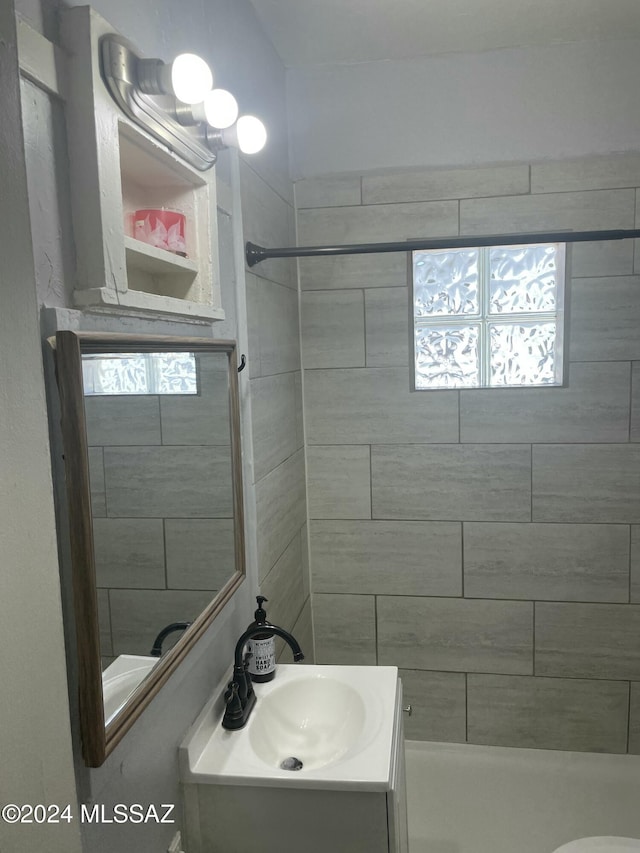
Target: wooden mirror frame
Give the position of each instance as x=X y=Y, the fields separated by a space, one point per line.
x=99 y=741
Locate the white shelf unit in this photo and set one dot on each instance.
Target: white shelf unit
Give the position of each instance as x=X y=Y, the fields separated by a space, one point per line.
x=116 y=169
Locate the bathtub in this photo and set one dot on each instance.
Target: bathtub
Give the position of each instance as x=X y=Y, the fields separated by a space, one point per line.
x=478 y=799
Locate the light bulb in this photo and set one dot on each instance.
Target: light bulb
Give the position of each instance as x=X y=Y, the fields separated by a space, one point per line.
x=220 y=108
x=191 y=78
x=251 y=134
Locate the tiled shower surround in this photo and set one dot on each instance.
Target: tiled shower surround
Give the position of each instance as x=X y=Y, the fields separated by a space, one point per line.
x=487 y=542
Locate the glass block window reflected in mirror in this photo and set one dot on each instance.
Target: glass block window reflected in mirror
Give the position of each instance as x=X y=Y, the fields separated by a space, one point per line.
x=488 y=317
x=140 y=373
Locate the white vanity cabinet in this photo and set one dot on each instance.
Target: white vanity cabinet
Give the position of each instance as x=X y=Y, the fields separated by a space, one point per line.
x=117 y=168
x=298 y=814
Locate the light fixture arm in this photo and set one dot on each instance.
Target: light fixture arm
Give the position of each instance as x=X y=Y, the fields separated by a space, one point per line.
x=254 y=253
x=129 y=79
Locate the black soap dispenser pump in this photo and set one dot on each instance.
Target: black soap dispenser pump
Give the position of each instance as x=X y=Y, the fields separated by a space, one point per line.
x=262 y=663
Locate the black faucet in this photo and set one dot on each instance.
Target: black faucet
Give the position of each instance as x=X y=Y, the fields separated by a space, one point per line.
x=156 y=651
x=239 y=696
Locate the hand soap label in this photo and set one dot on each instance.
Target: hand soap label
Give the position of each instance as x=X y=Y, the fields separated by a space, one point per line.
x=263 y=656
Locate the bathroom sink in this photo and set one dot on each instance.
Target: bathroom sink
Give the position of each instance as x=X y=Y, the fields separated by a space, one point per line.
x=312 y=726
x=120 y=679
x=313 y=720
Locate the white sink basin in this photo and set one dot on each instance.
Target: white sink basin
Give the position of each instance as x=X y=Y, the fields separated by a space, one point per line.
x=312 y=726
x=313 y=720
x=120 y=679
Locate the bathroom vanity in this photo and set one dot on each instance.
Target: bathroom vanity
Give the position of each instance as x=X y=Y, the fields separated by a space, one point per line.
x=319 y=767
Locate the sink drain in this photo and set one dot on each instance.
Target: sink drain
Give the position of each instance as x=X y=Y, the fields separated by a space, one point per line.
x=291 y=764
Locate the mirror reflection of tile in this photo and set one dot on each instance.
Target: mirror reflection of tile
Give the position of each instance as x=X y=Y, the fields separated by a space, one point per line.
x=162 y=507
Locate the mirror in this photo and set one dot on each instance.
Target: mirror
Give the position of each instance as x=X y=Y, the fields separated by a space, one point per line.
x=151 y=436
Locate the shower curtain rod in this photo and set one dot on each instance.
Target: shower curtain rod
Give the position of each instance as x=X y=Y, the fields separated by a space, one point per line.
x=255 y=253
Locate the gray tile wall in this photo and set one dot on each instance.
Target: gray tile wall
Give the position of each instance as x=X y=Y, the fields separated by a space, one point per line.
x=274 y=371
x=486 y=542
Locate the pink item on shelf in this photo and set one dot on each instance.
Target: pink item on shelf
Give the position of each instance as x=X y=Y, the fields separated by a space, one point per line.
x=161 y=228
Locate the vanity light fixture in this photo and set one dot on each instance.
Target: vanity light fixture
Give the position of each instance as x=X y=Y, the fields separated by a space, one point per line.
x=219 y=109
x=188 y=77
x=176 y=104
x=248 y=134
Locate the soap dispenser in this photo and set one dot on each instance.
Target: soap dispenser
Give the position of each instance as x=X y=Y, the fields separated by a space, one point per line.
x=262 y=646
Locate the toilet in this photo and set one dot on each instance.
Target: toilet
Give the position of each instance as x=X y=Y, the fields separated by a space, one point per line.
x=601 y=844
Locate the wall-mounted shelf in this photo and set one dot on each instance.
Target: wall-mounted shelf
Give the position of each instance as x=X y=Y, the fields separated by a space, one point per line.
x=116 y=169
x=154 y=261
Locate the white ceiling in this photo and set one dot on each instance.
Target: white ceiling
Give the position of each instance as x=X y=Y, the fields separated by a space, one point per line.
x=318 y=32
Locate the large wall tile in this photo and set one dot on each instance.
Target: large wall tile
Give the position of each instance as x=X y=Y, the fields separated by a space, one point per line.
x=201 y=419
x=283 y=587
x=588 y=640
x=362 y=406
x=547 y=713
x=339 y=481
x=297 y=382
x=129 y=552
x=267 y=220
x=161 y=482
x=429 y=184
x=104 y=623
x=274 y=418
x=200 y=552
x=596 y=209
x=138 y=615
x=603 y=258
x=303 y=632
x=438 y=703
x=634 y=719
x=345 y=629
x=333 y=328
x=586 y=483
x=122 y=420
x=328 y=191
x=281 y=510
x=556 y=562
x=387 y=326
x=378 y=222
x=456 y=634
x=254 y=289
x=273 y=317
x=635 y=562
x=306 y=570
x=595 y=407
x=448 y=482
x=387 y=557
x=634 y=432
x=96 y=482
x=345 y=271
x=586 y=173
x=604 y=319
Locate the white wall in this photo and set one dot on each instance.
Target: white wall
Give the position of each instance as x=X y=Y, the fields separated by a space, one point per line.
x=35 y=739
x=519 y=105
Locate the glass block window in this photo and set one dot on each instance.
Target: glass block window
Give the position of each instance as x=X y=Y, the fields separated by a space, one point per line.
x=488 y=317
x=140 y=373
